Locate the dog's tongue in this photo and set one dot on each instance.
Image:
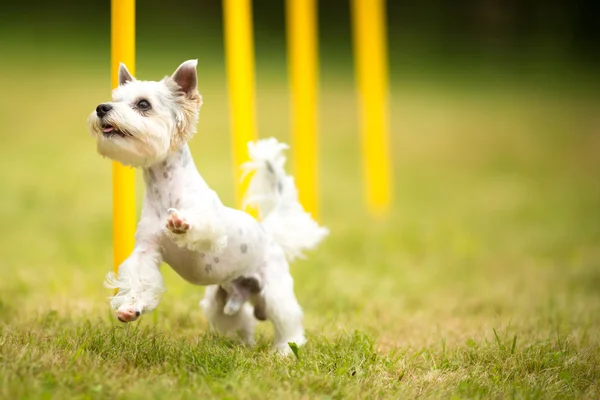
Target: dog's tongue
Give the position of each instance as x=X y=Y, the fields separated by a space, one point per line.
x=108 y=129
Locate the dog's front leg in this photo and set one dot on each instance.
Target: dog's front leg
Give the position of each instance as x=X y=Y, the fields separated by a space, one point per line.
x=139 y=282
x=197 y=229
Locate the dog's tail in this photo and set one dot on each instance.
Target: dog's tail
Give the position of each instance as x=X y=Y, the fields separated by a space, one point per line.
x=274 y=193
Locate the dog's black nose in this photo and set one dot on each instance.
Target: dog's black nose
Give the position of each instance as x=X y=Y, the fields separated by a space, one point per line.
x=137 y=313
x=103 y=109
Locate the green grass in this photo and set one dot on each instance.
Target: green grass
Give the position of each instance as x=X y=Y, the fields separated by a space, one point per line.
x=483 y=282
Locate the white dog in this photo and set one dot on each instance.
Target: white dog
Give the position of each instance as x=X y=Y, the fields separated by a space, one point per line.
x=183 y=222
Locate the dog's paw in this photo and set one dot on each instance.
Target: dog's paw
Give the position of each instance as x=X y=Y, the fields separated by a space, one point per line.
x=127 y=315
x=176 y=223
x=284 y=348
x=233 y=305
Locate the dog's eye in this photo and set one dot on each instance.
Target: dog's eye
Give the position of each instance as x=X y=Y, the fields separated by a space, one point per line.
x=143 y=105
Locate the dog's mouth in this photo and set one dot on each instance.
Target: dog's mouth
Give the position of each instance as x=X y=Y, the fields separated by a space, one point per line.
x=109 y=130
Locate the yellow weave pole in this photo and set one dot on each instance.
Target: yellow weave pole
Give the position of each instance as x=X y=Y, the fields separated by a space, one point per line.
x=239 y=58
x=301 y=21
x=368 y=20
x=122 y=50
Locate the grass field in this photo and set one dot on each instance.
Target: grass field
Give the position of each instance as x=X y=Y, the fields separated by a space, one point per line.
x=483 y=282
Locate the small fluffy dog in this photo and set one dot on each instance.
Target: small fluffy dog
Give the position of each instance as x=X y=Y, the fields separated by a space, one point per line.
x=243 y=262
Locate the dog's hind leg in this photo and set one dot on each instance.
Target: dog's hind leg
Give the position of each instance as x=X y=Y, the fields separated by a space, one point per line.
x=240 y=290
x=241 y=322
x=282 y=309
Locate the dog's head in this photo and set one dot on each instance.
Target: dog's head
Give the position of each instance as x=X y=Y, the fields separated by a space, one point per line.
x=147 y=120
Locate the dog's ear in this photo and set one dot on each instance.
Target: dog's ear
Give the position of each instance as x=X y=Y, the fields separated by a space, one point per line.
x=124 y=75
x=186 y=77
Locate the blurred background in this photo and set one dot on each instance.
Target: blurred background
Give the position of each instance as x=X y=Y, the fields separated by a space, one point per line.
x=495 y=141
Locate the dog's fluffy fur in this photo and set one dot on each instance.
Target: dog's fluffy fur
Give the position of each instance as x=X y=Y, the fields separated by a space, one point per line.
x=243 y=263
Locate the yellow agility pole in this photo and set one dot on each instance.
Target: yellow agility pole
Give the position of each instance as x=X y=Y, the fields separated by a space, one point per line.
x=301 y=21
x=368 y=20
x=239 y=58
x=122 y=50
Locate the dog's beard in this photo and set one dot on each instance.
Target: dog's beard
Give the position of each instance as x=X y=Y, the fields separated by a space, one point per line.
x=114 y=127
x=129 y=144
